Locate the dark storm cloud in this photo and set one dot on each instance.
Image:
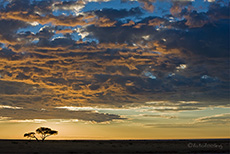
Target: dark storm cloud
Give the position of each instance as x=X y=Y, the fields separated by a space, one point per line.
x=7 y=33
x=7 y=53
x=120 y=34
x=118 y=14
x=23 y=94
x=130 y=32
x=210 y=40
x=195 y=19
x=206 y=37
x=15 y=88
x=217 y=11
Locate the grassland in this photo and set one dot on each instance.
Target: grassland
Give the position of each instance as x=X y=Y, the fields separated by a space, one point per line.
x=115 y=146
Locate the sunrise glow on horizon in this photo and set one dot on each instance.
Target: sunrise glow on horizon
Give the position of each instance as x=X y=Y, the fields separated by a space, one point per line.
x=115 y=69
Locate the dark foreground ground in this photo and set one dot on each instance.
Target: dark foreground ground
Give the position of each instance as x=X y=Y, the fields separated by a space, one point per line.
x=115 y=146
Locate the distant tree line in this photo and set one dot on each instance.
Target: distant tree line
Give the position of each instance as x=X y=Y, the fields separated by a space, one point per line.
x=44 y=132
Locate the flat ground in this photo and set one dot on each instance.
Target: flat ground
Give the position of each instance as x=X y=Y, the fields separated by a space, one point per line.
x=115 y=146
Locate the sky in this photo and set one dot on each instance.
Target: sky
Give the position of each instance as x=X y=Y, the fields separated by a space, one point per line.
x=115 y=69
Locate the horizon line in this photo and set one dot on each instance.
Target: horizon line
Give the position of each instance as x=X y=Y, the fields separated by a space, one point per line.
x=121 y=139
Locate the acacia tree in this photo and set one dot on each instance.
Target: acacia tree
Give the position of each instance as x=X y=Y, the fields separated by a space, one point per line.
x=45 y=132
x=30 y=135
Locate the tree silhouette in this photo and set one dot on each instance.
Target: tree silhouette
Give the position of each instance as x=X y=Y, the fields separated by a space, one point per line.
x=45 y=132
x=30 y=135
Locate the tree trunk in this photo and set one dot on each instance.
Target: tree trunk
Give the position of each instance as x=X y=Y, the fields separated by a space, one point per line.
x=36 y=138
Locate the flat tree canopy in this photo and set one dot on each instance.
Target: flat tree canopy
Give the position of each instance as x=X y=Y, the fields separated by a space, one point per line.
x=30 y=135
x=45 y=132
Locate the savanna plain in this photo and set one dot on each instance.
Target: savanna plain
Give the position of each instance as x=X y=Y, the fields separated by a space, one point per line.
x=116 y=146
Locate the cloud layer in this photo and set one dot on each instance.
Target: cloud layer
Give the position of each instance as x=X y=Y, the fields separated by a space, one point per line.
x=64 y=53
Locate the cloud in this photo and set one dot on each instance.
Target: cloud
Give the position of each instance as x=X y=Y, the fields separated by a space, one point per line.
x=147 y=5
x=120 y=34
x=164 y=106
x=64 y=31
x=220 y=119
x=60 y=20
x=176 y=125
x=114 y=80
x=75 y=6
x=197 y=41
x=195 y=19
x=130 y=23
x=9 y=107
x=112 y=57
x=178 y=7
x=7 y=34
x=160 y=116
x=215 y=119
x=30 y=114
x=25 y=121
x=114 y=14
x=218 y=11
